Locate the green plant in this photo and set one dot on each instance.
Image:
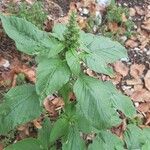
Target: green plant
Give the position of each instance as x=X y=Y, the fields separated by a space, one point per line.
x=119 y=15
x=97 y=104
x=34 y=13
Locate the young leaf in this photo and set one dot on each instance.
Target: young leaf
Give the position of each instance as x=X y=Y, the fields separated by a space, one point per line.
x=26 y=144
x=73 y=61
x=102 y=52
x=59 y=129
x=28 y=38
x=58 y=31
x=21 y=101
x=74 y=141
x=52 y=74
x=105 y=140
x=65 y=92
x=88 y=92
x=43 y=134
x=134 y=137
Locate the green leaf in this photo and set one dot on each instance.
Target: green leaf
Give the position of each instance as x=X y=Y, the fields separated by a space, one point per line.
x=134 y=137
x=28 y=38
x=59 y=129
x=26 y=144
x=118 y=100
x=74 y=141
x=65 y=92
x=20 y=103
x=83 y=124
x=102 y=51
x=58 y=31
x=52 y=74
x=105 y=140
x=146 y=146
x=73 y=61
x=44 y=133
x=88 y=92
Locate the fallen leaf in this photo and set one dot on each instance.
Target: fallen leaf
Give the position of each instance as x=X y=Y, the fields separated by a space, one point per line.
x=134 y=82
x=141 y=96
x=131 y=43
x=144 y=107
x=146 y=25
x=136 y=70
x=147 y=80
x=124 y=18
x=37 y=123
x=117 y=78
x=132 y=12
x=147 y=119
x=121 y=68
x=113 y=27
x=1 y=147
x=4 y=63
x=139 y=11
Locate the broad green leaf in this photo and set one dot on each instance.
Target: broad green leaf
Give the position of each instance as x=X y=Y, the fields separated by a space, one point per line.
x=44 y=132
x=102 y=52
x=28 y=38
x=146 y=132
x=52 y=74
x=95 y=105
x=146 y=146
x=118 y=100
x=105 y=140
x=74 y=141
x=26 y=144
x=65 y=92
x=59 y=129
x=134 y=137
x=73 y=61
x=83 y=124
x=20 y=103
x=58 y=31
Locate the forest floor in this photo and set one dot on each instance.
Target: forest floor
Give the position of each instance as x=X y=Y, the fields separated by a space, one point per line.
x=132 y=74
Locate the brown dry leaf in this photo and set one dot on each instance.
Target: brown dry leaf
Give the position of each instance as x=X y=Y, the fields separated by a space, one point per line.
x=119 y=130
x=132 y=12
x=136 y=70
x=113 y=27
x=30 y=1
x=37 y=123
x=6 y=78
x=134 y=82
x=90 y=72
x=144 y=107
x=147 y=119
x=121 y=68
x=139 y=11
x=58 y=102
x=48 y=25
x=146 y=25
x=82 y=23
x=117 y=78
x=53 y=105
x=1 y=147
x=29 y=73
x=4 y=63
x=138 y=87
x=131 y=43
x=141 y=96
x=147 y=80
x=124 y=18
